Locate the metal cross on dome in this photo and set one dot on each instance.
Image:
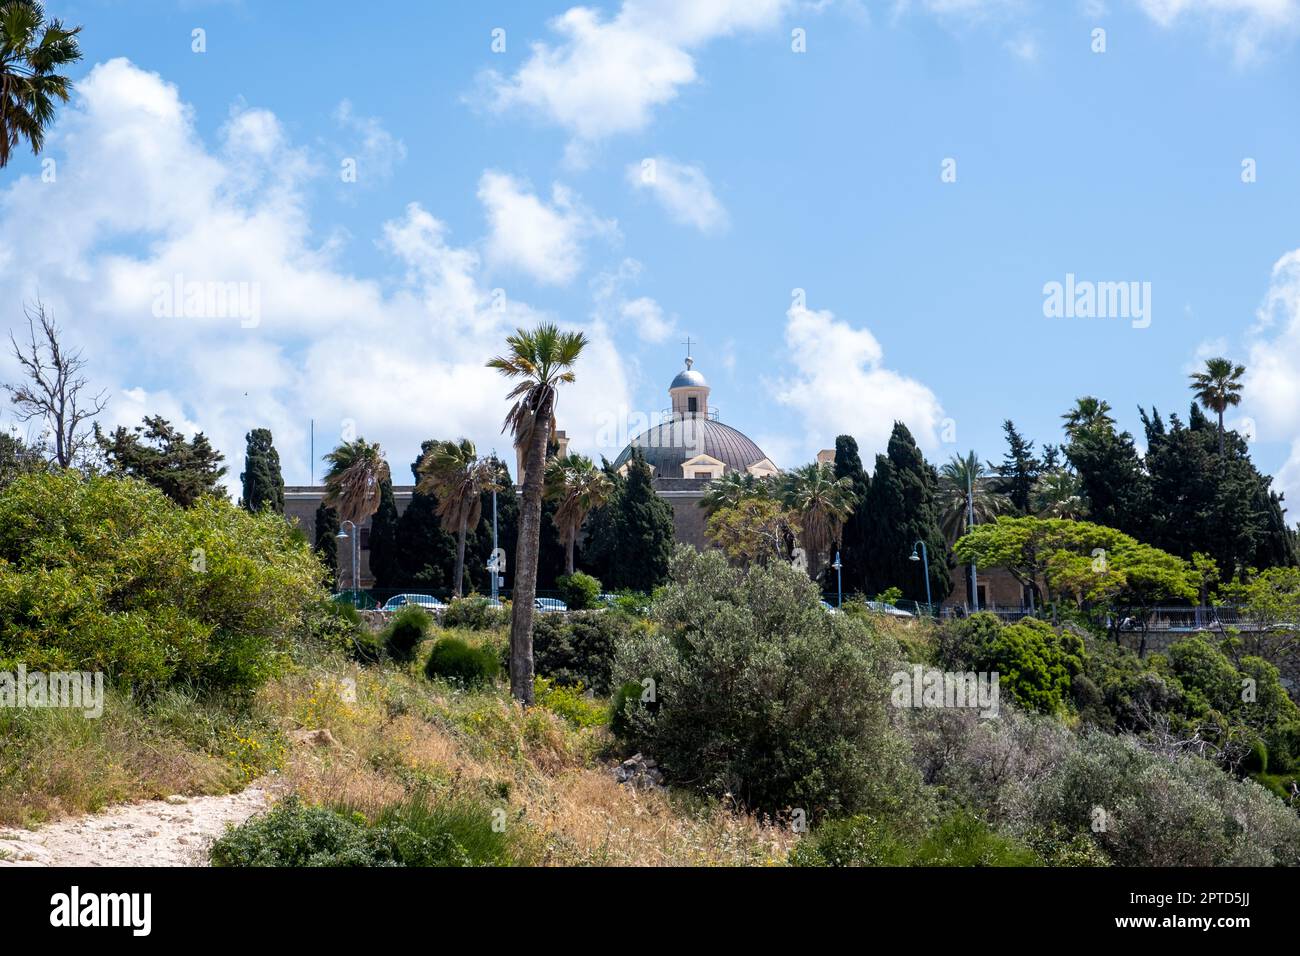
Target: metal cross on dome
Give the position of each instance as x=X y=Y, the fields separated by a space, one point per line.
x=688 y=343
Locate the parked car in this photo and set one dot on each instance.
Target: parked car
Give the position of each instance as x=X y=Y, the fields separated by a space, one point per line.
x=549 y=604
x=426 y=601
x=880 y=607
x=830 y=608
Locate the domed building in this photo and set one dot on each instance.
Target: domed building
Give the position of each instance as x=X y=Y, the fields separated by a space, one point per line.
x=689 y=448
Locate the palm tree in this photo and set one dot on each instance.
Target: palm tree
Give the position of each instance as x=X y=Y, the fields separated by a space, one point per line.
x=356 y=470
x=1089 y=414
x=541 y=360
x=821 y=503
x=579 y=487
x=1218 y=387
x=955 y=478
x=31 y=50
x=1058 y=494
x=454 y=473
x=733 y=488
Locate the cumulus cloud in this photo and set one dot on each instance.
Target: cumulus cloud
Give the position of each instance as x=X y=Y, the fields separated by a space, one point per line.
x=543 y=240
x=840 y=385
x=1248 y=26
x=144 y=212
x=377 y=152
x=603 y=77
x=1272 y=389
x=682 y=190
x=648 y=317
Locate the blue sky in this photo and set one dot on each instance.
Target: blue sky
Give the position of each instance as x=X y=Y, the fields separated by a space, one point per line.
x=499 y=188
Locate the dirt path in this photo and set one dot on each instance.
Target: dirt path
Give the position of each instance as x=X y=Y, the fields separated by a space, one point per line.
x=172 y=832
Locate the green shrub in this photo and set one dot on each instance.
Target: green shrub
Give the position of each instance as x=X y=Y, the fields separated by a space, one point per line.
x=1035 y=663
x=1146 y=809
x=579 y=648
x=961 y=642
x=108 y=574
x=340 y=627
x=960 y=839
x=579 y=591
x=475 y=613
x=1284 y=747
x=455 y=660
x=853 y=841
x=403 y=634
x=454 y=832
x=1256 y=760
x=965 y=840
x=571 y=703
x=762 y=694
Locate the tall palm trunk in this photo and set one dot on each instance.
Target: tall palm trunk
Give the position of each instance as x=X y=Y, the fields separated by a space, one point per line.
x=460 y=558
x=570 y=541
x=1221 y=433
x=530 y=528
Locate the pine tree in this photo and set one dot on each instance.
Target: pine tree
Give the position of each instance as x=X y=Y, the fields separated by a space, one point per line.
x=1112 y=478
x=1203 y=501
x=856 y=544
x=263 y=483
x=155 y=452
x=1019 y=469
x=384 y=562
x=327 y=545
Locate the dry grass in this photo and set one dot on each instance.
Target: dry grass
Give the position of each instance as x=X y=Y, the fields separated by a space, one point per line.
x=401 y=733
x=55 y=763
x=395 y=733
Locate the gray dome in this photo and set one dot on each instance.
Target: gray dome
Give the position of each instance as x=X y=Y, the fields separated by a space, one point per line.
x=688 y=378
x=665 y=447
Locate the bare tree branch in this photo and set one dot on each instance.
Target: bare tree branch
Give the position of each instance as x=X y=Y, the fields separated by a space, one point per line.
x=55 y=390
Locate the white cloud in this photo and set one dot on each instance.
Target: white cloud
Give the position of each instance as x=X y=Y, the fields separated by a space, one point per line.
x=1023 y=47
x=648 y=316
x=1246 y=25
x=605 y=77
x=682 y=189
x=377 y=151
x=1271 y=397
x=543 y=240
x=140 y=199
x=840 y=386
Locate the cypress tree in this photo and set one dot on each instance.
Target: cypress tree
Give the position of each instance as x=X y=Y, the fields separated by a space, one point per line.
x=384 y=561
x=326 y=545
x=263 y=483
x=642 y=531
x=855 y=541
x=902 y=512
x=426 y=554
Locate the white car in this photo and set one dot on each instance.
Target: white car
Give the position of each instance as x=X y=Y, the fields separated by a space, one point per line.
x=880 y=607
x=549 y=604
x=426 y=601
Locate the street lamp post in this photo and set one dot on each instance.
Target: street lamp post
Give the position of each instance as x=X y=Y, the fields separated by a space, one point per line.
x=839 y=581
x=343 y=535
x=923 y=557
